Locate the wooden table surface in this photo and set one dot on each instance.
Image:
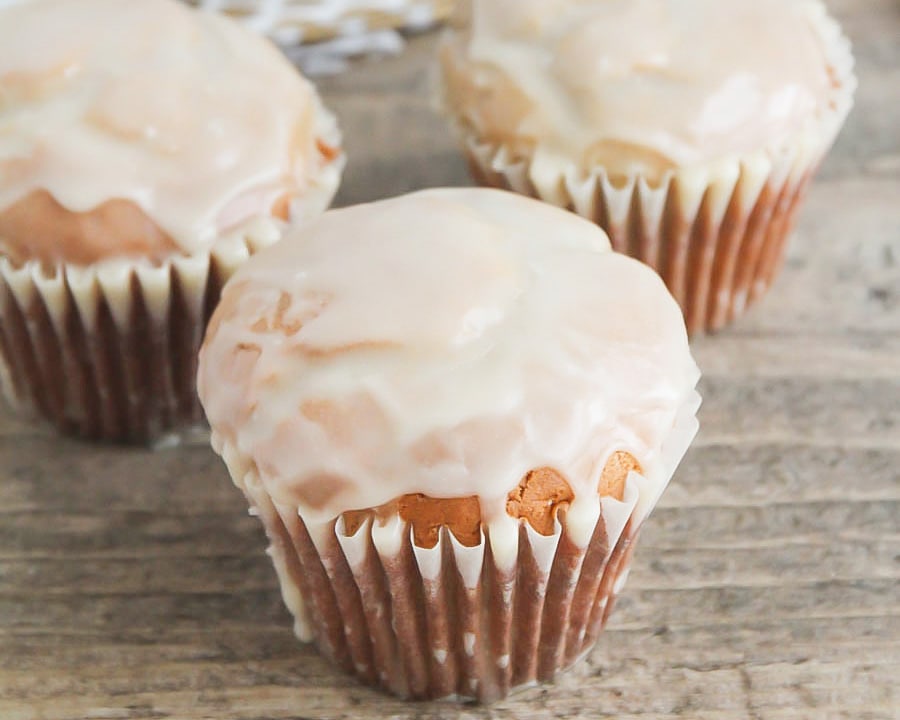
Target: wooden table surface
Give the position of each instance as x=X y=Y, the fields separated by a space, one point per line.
x=134 y=584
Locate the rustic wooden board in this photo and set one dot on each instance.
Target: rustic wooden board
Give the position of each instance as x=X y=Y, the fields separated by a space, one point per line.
x=134 y=585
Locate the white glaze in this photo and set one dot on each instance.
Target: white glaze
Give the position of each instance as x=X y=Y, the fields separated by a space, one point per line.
x=445 y=342
x=200 y=122
x=639 y=85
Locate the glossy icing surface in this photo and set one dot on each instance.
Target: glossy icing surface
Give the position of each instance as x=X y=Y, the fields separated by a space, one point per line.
x=638 y=85
x=191 y=118
x=445 y=342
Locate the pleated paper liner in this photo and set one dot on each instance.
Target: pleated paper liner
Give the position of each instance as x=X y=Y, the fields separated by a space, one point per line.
x=109 y=352
x=446 y=622
x=716 y=235
x=457 y=622
x=291 y=22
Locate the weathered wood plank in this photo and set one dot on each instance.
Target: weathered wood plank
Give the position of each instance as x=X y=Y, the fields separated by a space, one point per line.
x=761 y=640
x=667 y=561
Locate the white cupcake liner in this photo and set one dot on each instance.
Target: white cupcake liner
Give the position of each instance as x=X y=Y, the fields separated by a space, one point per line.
x=109 y=351
x=456 y=622
x=715 y=234
x=291 y=22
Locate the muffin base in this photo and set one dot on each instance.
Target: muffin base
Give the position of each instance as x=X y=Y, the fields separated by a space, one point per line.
x=718 y=247
x=109 y=352
x=715 y=234
x=449 y=622
x=457 y=622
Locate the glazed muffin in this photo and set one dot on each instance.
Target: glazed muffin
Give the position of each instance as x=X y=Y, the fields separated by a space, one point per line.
x=306 y=21
x=688 y=130
x=452 y=411
x=146 y=150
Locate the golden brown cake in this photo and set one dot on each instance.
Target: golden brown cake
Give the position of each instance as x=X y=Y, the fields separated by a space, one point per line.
x=453 y=411
x=146 y=150
x=687 y=130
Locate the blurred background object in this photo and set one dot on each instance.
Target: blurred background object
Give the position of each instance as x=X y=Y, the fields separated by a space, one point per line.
x=319 y=35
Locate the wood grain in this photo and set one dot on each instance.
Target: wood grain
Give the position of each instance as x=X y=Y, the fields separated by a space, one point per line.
x=767 y=585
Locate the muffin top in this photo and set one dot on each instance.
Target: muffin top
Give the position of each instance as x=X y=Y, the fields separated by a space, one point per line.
x=146 y=128
x=638 y=86
x=445 y=343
